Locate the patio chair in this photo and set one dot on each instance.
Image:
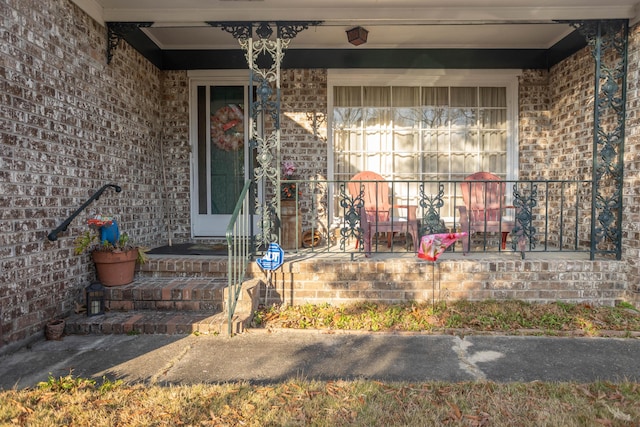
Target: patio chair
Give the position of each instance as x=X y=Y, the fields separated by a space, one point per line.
x=376 y=217
x=483 y=194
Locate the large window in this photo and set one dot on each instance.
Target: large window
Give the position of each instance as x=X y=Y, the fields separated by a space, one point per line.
x=418 y=133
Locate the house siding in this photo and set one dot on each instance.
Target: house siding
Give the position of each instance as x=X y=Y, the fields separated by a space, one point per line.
x=71 y=123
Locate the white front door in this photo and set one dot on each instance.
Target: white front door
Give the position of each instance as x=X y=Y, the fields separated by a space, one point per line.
x=219 y=136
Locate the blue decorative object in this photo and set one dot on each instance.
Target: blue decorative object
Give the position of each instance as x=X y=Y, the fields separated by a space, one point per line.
x=110 y=233
x=273 y=259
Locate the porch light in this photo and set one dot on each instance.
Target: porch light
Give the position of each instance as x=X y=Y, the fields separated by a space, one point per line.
x=95 y=299
x=357 y=36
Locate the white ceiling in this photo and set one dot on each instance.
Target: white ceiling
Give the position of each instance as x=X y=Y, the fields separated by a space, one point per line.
x=181 y=24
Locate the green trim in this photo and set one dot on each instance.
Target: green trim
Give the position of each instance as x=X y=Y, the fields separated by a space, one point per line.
x=147 y=48
x=363 y=58
x=415 y=58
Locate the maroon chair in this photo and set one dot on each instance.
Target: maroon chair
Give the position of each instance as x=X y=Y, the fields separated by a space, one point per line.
x=483 y=194
x=376 y=216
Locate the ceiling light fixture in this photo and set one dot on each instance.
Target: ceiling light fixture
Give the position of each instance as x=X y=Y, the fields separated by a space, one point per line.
x=357 y=36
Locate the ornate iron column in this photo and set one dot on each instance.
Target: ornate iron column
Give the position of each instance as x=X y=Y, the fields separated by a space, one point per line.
x=608 y=41
x=264 y=57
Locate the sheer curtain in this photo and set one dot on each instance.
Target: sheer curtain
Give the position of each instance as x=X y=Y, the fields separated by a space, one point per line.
x=411 y=133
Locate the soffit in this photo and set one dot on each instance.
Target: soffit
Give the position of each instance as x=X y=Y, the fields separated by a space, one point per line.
x=524 y=24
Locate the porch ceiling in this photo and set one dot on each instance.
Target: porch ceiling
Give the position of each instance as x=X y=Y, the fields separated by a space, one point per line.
x=392 y=24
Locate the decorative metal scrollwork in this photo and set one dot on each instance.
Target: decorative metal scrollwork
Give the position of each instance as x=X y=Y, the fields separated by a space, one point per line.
x=264 y=30
x=264 y=57
x=351 y=210
x=116 y=31
x=239 y=30
x=289 y=29
x=524 y=234
x=608 y=40
x=431 y=205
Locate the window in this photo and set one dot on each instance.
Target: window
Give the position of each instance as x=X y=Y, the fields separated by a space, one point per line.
x=416 y=133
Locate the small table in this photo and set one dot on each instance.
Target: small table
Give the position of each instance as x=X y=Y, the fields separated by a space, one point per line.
x=412 y=211
x=412 y=224
x=291 y=232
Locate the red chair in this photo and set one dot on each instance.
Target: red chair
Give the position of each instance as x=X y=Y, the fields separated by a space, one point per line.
x=483 y=194
x=376 y=216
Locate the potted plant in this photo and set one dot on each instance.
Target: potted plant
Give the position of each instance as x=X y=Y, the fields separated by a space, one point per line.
x=114 y=256
x=287 y=188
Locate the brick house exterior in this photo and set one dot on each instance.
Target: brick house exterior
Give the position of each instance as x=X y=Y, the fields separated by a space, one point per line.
x=71 y=123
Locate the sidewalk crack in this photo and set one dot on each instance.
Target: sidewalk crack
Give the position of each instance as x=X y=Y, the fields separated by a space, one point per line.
x=170 y=364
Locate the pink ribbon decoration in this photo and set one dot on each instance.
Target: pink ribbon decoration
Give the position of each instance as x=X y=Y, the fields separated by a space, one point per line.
x=433 y=245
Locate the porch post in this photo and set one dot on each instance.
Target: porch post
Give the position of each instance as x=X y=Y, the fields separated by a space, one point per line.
x=264 y=57
x=608 y=41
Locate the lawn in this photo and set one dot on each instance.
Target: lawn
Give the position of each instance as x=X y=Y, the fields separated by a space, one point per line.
x=460 y=317
x=79 y=402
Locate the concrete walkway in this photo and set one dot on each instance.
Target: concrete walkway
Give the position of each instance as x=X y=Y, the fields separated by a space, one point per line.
x=260 y=356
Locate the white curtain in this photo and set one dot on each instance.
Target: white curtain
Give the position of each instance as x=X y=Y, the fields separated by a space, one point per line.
x=419 y=133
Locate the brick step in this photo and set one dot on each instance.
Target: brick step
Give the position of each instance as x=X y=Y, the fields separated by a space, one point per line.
x=185 y=294
x=152 y=322
x=184 y=266
x=169 y=307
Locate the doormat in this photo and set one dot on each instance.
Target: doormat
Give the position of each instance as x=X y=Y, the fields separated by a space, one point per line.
x=190 y=249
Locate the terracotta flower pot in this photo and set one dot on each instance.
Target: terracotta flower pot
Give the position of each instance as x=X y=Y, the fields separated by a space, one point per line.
x=54 y=329
x=115 y=268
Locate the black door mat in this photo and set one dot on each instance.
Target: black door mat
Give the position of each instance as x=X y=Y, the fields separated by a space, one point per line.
x=190 y=249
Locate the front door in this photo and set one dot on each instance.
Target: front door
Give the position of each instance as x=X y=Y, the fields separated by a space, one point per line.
x=220 y=153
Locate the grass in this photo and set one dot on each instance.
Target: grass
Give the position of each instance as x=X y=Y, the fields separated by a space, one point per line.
x=70 y=401
x=76 y=401
x=505 y=317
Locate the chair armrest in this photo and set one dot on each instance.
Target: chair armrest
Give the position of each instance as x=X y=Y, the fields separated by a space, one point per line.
x=464 y=215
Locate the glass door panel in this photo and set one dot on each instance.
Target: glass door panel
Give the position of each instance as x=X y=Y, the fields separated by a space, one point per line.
x=221 y=164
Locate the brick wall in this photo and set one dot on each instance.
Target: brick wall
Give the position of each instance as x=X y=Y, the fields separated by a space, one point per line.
x=539 y=279
x=70 y=124
x=631 y=185
x=304 y=134
x=556 y=122
x=571 y=109
x=176 y=148
x=535 y=124
x=556 y=144
x=303 y=137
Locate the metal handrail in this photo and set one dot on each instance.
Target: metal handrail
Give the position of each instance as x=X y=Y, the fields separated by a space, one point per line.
x=53 y=236
x=239 y=249
x=549 y=215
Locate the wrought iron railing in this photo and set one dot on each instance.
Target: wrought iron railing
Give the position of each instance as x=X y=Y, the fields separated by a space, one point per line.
x=53 y=236
x=239 y=245
x=540 y=216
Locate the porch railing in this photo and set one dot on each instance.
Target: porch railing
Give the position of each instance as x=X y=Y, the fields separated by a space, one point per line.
x=546 y=215
x=239 y=249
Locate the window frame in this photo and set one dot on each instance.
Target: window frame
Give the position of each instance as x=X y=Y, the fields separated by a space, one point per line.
x=429 y=78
